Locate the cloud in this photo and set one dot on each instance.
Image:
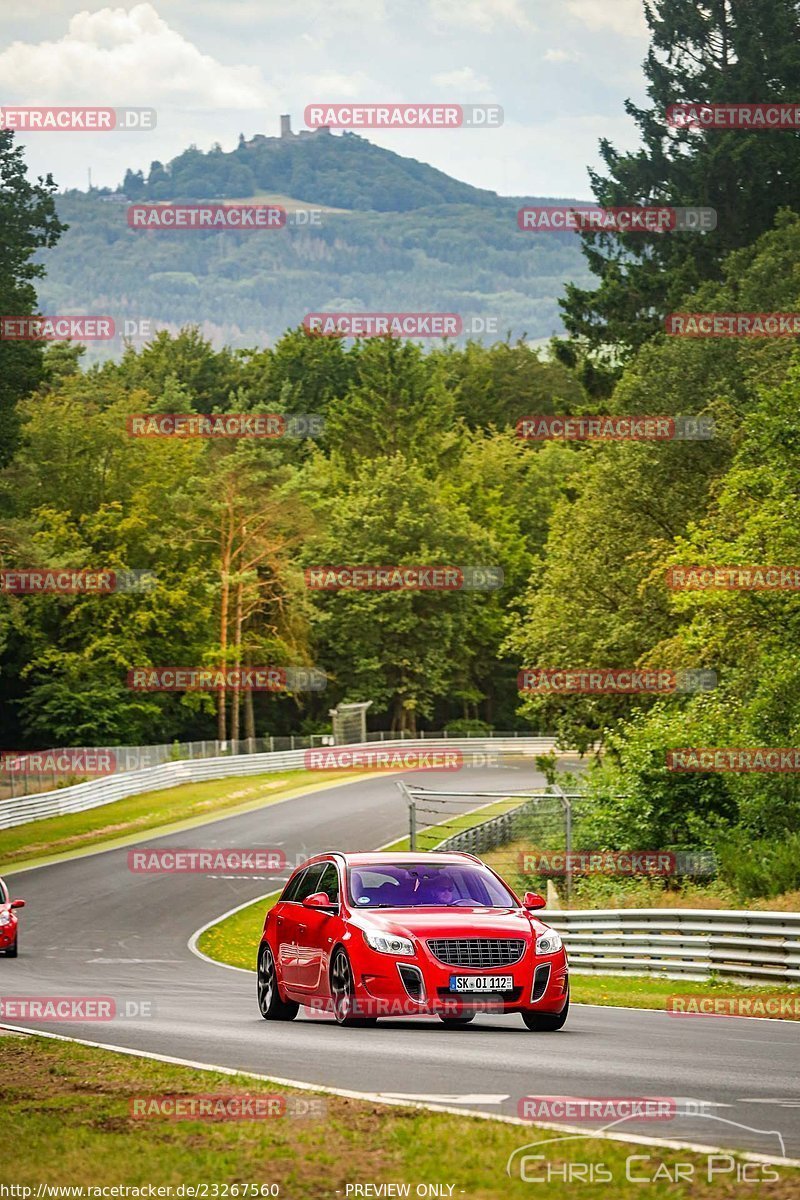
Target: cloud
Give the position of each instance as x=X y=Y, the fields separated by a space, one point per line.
x=252 y=13
x=562 y=56
x=480 y=14
x=625 y=17
x=332 y=85
x=118 y=56
x=463 y=82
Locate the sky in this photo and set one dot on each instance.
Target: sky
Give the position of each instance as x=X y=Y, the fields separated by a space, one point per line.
x=560 y=69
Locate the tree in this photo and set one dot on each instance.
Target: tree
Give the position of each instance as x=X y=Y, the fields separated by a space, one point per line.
x=403 y=649
x=208 y=376
x=595 y=597
x=28 y=223
x=245 y=512
x=302 y=374
x=397 y=403
x=84 y=496
x=496 y=385
x=703 y=51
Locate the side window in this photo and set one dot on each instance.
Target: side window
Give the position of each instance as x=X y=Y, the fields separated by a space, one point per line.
x=329 y=882
x=309 y=882
x=293 y=886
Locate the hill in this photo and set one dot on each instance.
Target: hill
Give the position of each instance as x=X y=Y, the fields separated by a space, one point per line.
x=411 y=239
x=341 y=171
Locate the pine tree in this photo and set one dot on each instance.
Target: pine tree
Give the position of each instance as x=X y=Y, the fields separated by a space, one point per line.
x=702 y=51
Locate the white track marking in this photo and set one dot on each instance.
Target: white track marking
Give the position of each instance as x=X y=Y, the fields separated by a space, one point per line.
x=377 y=1098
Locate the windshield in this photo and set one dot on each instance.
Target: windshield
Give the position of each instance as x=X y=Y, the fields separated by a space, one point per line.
x=426 y=885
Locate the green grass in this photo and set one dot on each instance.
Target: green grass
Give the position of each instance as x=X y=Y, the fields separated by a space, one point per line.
x=67 y=1111
x=125 y=819
x=637 y=991
x=430 y=837
x=235 y=940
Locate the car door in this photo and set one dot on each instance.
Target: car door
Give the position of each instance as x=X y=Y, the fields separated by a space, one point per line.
x=315 y=934
x=290 y=922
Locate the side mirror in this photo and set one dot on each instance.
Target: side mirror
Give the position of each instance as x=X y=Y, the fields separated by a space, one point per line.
x=319 y=900
x=17 y=904
x=533 y=900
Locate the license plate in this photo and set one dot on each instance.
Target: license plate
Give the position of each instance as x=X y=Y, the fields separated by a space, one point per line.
x=481 y=983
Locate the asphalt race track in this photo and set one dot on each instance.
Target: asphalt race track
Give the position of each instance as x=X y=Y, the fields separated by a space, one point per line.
x=91 y=927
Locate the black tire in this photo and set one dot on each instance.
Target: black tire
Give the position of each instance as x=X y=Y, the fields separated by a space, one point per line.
x=345 y=1005
x=546 y=1022
x=13 y=951
x=455 y=1022
x=270 y=1005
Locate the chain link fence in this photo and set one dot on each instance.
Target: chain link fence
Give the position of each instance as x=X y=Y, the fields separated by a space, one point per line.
x=506 y=825
x=540 y=841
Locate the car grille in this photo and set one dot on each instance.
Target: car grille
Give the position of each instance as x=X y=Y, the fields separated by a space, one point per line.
x=477 y=952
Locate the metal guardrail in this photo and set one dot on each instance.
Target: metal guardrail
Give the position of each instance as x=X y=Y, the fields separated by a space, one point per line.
x=686 y=943
x=46 y=770
x=83 y=796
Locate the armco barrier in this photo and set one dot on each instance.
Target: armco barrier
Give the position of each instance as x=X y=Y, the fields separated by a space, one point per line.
x=83 y=796
x=686 y=943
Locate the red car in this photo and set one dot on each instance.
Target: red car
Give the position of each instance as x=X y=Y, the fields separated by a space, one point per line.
x=371 y=935
x=9 y=935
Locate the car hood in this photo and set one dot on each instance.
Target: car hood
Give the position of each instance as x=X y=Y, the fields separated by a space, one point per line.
x=450 y=922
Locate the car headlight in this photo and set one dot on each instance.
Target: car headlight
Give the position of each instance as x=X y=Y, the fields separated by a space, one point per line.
x=388 y=943
x=548 y=943
x=5 y=918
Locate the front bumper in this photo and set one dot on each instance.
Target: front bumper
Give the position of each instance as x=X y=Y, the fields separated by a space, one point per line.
x=420 y=985
x=8 y=935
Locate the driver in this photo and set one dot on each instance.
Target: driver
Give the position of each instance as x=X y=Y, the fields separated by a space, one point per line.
x=442 y=891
